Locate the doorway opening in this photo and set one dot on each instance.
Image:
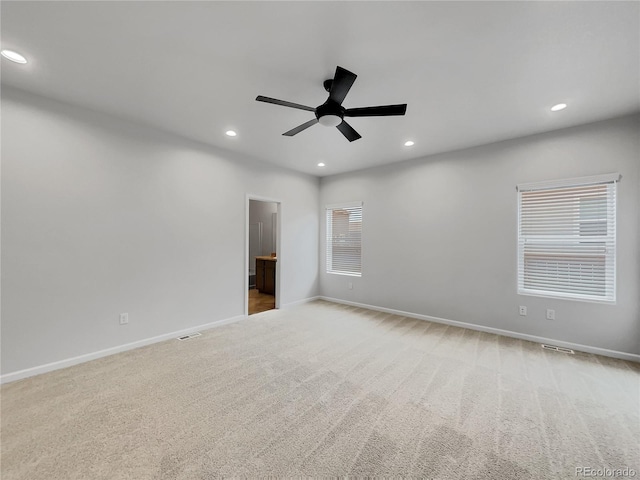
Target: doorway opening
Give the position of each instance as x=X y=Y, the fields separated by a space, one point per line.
x=262 y=254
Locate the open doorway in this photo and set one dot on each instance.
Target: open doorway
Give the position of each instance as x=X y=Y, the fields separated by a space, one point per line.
x=263 y=228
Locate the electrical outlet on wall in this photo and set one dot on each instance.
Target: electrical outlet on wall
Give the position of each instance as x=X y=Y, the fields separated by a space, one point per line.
x=523 y=310
x=551 y=314
x=124 y=318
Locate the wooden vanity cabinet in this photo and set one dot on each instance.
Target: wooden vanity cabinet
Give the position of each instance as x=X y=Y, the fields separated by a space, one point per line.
x=266 y=275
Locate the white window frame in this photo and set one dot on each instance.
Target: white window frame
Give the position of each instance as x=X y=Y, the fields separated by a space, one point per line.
x=570 y=242
x=329 y=261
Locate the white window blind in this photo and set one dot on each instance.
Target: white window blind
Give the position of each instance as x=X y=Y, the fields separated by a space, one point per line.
x=344 y=239
x=567 y=238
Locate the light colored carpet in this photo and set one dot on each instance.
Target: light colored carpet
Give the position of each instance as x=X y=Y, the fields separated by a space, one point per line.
x=325 y=390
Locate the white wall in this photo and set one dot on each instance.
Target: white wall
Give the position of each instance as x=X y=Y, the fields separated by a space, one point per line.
x=439 y=234
x=101 y=216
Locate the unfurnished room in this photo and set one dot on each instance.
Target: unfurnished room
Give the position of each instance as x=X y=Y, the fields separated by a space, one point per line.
x=318 y=239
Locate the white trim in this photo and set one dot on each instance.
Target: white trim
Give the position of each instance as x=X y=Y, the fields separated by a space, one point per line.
x=506 y=333
x=346 y=274
x=259 y=198
x=343 y=205
x=565 y=296
x=571 y=182
x=69 y=362
x=300 y=302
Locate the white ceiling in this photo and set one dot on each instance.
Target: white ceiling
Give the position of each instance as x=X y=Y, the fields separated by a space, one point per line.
x=470 y=72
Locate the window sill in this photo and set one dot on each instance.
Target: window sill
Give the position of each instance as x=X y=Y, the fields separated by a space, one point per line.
x=565 y=297
x=345 y=274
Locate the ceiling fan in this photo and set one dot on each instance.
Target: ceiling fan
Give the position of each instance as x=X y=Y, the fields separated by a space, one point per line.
x=331 y=113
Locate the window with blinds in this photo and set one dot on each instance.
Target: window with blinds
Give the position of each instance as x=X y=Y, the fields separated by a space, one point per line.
x=567 y=238
x=344 y=239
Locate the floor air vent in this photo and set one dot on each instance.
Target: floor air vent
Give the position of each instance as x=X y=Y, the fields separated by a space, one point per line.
x=191 y=335
x=558 y=349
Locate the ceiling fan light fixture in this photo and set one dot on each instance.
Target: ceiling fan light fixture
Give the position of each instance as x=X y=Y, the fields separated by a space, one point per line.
x=321 y=164
x=330 y=120
x=230 y=133
x=409 y=143
x=558 y=107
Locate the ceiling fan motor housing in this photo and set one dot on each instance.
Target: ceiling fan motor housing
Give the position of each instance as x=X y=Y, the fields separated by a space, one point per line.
x=330 y=114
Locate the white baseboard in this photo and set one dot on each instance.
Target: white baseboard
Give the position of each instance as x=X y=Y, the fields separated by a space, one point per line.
x=507 y=333
x=300 y=302
x=49 y=367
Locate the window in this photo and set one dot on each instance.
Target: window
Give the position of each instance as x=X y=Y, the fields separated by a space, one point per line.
x=567 y=238
x=344 y=239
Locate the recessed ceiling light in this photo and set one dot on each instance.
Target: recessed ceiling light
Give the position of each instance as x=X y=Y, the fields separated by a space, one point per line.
x=13 y=56
x=408 y=143
x=231 y=133
x=321 y=164
x=560 y=106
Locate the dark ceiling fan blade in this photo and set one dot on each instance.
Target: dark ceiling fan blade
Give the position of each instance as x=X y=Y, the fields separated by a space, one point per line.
x=380 y=111
x=275 y=101
x=300 y=128
x=342 y=82
x=348 y=131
